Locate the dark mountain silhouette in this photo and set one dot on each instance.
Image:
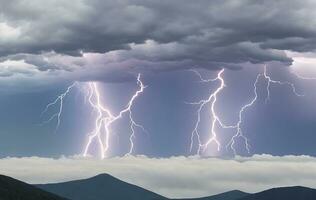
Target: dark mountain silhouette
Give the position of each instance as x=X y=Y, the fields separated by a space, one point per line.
x=107 y=187
x=231 y=195
x=284 y=193
x=100 y=187
x=12 y=189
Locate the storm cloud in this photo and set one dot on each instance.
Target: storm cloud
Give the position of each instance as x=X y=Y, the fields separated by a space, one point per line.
x=138 y=35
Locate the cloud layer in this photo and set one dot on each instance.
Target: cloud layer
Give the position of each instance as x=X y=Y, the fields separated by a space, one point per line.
x=138 y=35
x=202 y=29
x=175 y=176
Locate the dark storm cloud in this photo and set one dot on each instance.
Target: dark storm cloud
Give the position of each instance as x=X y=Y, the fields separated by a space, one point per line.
x=204 y=31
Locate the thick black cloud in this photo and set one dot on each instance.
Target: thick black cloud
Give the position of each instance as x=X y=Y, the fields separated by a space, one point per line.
x=204 y=32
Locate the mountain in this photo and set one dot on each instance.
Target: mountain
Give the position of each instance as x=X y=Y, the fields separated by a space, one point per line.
x=286 y=193
x=12 y=189
x=100 y=187
x=231 y=195
x=283 y=193
x=104 y=186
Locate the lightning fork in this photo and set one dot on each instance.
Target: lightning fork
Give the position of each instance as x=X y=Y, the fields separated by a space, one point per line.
x=102 y=118
x=216 y=120
x=201 y=78
x=212 y=99
x=268 y=78
x=128 y=109
x=105 y=118
x=59 y=99
x=239 y=132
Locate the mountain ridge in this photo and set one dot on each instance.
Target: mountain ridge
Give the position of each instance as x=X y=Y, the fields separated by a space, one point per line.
x=291 y=193
x=116 y=189
x=286 y=193
x=105 y=186
x=13 y=189
x=230 y=195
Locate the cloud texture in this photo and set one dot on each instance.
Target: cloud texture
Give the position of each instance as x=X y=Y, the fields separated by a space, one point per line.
x=175 y=176
x=131 y=36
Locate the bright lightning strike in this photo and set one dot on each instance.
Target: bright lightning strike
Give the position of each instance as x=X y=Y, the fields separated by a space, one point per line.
x=105 y=119
x=212 y=99
x=216 y=120
x=59 y=100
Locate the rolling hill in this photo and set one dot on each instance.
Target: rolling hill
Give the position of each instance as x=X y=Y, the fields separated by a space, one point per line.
x=102 y=186
x=105 y=186
x=12 y=189
x=231 y=195
x=284 y=193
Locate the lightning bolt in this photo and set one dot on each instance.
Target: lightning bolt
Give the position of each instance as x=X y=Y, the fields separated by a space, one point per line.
x=239 y=132
x=217 y=121
x=128 y=110
x=271 y=81
x=201 y=78
x=105 y=119
x=59 y=100
x=212 y=99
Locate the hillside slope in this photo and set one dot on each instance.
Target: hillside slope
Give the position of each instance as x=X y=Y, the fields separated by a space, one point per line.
x=284 y=193
x=12 y=189
x=102 y=186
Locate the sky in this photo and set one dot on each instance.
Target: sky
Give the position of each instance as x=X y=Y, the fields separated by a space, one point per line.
x=172 y=46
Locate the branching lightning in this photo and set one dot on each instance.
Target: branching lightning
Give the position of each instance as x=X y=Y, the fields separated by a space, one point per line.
x=238 y=126
x=202 y=79
x=105 y=119
x=239 y=132
x=59 y=100
x=271 y=81
x=215 y=118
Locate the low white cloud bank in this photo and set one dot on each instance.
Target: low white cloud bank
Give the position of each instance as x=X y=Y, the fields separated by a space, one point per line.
x=175 y=176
